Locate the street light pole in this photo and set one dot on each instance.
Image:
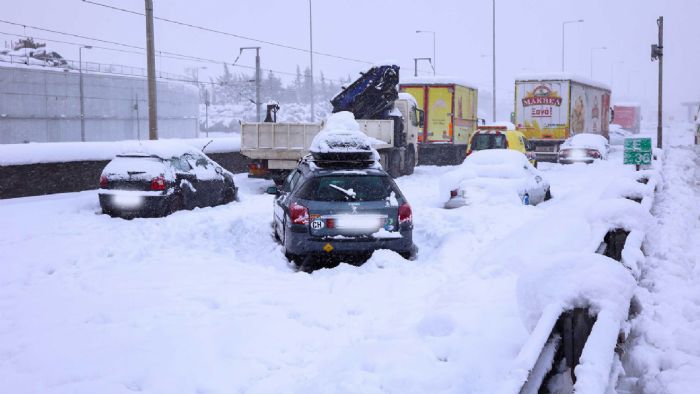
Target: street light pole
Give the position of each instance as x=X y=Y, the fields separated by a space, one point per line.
x=257 y=79
x=82 y=94
x=592 y=49
x=493 y=49
x=311 y=61
x=563 y=38
x=433 y=33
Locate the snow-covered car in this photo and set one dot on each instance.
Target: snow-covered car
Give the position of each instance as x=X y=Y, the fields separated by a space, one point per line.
x=163 y=180
x=583 y=148
x=494 y=176
x=339 y=204
x=617 y=134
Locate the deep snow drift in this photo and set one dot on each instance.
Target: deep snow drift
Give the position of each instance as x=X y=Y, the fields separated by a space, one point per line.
x=204 y=300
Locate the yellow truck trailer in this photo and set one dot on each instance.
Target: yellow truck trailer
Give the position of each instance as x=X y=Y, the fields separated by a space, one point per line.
x=550 y=108
x=450 y=108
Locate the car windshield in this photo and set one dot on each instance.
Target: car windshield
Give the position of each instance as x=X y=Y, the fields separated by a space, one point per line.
x=488 y=141
x=347 y=188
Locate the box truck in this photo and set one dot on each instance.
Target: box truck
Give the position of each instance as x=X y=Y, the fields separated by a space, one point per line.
x=628 y=116
x=551 y=108
x=450 y=109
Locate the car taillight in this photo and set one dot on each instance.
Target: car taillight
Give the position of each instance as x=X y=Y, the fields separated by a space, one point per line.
x=330 y=223
x=469 y=151
x=453 y=193
x=405 y=213
x=299 y=214
x=103 y=181
x=158 y=183
x=258 y=168
x=593 y=153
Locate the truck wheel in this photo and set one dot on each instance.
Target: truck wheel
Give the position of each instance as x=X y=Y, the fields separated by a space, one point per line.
x=395 y=164
x=410 y=162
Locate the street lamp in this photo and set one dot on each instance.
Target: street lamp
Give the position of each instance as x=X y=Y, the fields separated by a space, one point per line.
x=433 y=33
x=592 y=49
x=82 y=99
x=563 y=32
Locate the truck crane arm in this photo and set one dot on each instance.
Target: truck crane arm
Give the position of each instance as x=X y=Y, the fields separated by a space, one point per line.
x=372 y=95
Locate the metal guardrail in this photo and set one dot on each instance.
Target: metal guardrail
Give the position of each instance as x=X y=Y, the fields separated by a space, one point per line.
x=91 y=67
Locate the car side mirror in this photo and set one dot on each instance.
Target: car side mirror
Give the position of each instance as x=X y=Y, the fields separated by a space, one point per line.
x=273 y=190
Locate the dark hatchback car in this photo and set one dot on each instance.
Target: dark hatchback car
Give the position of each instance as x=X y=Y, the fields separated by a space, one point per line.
x=150 y=185
x=331 y=215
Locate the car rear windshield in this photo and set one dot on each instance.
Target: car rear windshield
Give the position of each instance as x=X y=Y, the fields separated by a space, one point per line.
x=348 y=188
x=489 y=141
x=146 y=165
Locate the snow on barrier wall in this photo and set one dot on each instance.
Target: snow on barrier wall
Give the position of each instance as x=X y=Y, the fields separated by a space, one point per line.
x=40 y=105
x=591 y=286
x=48 y=168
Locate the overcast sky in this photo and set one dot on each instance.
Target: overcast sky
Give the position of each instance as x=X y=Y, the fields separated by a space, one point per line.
x=528 y=38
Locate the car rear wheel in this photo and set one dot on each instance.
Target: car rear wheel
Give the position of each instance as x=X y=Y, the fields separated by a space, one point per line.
x=395 y=164
x=176 y=204
x=229 y=195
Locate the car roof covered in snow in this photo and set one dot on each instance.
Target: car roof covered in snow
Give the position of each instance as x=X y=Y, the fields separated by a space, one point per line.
x=505 y=157
x=586 y=140
x=164 y=149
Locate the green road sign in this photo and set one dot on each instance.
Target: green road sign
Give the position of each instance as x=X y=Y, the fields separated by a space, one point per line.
x=637 y=151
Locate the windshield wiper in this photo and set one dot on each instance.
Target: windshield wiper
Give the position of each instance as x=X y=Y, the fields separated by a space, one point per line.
x=348 y=193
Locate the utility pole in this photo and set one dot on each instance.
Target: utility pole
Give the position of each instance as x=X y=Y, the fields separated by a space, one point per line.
x=311 y=60
x=257 y=79
x=151 y=67
x=657 y=53
x=415 y=64
x=82 y=94
x=493 y=49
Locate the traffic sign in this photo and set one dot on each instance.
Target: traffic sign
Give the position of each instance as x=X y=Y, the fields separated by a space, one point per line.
x=637 y=151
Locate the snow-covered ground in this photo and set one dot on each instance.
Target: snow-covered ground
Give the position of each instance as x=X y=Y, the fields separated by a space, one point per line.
x=664 y=353
x=204 y=300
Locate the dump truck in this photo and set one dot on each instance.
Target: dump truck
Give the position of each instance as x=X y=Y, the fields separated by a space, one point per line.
x=628 y=116
x=450 y=108
x=551 y=108
x=391 y=118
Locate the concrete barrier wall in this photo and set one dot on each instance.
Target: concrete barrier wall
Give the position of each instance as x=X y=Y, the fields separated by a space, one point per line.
x=49 y=178
x=40 y=105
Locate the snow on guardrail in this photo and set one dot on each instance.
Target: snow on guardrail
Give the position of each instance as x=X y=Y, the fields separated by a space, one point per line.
x=563 y=282
x=57 y=152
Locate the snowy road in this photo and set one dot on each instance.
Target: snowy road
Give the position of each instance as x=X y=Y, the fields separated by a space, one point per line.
x=204 y=300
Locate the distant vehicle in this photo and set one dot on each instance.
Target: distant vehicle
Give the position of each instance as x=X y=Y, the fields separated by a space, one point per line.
x=390 y=118
x=450 y=108
x=552 y=108
x=583 y=148
x=494 y=176
x=157 y=184
x=628 y=116
x=340 y=206
x=499 y=137
x=617 y=135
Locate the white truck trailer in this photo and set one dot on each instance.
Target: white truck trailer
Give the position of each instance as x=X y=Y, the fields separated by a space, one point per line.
x=276 y=148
